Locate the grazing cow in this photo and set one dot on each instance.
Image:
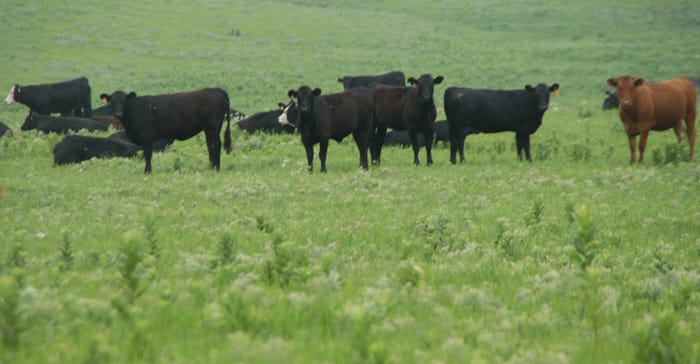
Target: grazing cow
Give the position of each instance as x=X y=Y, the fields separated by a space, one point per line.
x=472 y=111
x=63 y=97
x=611 y=101
x=400 y=138
x=60 y=124
x=333 y=116
x=655 y=106
x=267 y=122
x=78 y=148
x=405 y=108
x=178 y=116
x=158 y=146
x=5 y=130
x=395 y=78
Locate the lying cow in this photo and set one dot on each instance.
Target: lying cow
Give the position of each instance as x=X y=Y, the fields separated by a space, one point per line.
x=69 y=97
x=611 y=101
x=60 y=124
x=334 y=116
x=405 y=108
x=655 y=106
x=395 y=78
x=178 y=116
x=158 y=146
x=78 y=148
x=473 y=111
x=266 y=122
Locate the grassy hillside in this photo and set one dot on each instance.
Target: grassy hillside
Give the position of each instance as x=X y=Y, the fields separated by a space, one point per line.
x=576 y=257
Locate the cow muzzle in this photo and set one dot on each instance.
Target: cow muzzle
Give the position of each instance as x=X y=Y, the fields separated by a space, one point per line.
x=627 y=104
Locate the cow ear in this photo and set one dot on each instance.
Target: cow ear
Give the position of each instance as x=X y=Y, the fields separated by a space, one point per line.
x=340 y=80
x=316 y=91
x=638 y=81
x=612 y=82
x=292 y=94
x=104 y=97
x=281 y=106
x=131 y=95
x=412 y=81
x=19 y=89
x=438 y=80
x=529 y=88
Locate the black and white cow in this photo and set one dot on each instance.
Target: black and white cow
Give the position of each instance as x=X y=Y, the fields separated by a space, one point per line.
x=66 y=98
x=473 y=111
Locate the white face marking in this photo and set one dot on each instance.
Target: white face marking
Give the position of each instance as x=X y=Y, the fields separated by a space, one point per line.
x=283 y=118
x=11 y=97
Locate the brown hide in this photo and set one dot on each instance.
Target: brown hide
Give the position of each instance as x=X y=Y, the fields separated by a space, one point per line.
x=655 y=106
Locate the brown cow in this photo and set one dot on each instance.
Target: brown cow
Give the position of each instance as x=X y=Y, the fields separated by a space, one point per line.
x=655 y=106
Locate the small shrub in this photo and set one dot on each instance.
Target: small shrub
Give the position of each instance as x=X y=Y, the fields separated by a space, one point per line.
x=661 y=341
x=10 y=325
x=66 y=253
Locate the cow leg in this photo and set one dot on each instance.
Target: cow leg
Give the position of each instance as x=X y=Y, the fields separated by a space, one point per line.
x=633 y=148
x=322 y=151
x=214 y=146
x=679 y=129
x=520 y=142
x=147 y=154
x=376 y=144
x=429 y=135
x=309 y=155
x=456 y=145
x=690 y=132
x=362 y=142
x=413 y=134
x=643 y=145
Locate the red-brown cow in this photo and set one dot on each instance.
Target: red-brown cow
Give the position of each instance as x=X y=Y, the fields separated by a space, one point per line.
x=655 y=106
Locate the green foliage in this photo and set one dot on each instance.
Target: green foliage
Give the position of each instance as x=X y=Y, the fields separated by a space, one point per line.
x=10 y=320
x=585 y=247
x=66 y=253
x=289 y=264
x=661 y=340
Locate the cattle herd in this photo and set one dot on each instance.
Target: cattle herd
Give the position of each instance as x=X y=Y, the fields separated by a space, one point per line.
x=368 y=106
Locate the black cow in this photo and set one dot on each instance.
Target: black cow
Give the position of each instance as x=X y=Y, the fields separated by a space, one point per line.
x=158 y=146
x=179 y=116
x=113 y=104
x=5 y=130
x=78 y=148
x=333 y=116
x=68 y=97
x=60 y=124
x=402 y=139
x=267 y=122
x=395 y=78
x=405 y=108
x=611 y=101
x=472 y=111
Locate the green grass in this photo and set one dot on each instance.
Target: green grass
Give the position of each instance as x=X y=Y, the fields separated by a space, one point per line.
x=264 y=262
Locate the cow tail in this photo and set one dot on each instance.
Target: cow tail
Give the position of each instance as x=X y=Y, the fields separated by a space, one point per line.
x=227 y=133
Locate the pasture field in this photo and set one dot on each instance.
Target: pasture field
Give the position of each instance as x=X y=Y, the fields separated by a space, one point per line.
x=577 y=257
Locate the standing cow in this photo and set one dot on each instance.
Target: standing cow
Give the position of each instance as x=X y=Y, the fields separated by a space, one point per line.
x=179 y=116
x=473 y=111
x=395 y=78
x=68 y=97
x=655 y=106
x=334 y=116
x=405 y=108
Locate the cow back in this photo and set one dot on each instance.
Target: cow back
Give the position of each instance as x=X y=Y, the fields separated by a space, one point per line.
x=349 y=110
x=388 y=105
x=491 y=111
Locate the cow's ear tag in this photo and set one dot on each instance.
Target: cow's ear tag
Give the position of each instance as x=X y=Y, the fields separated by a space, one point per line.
x=555 y=92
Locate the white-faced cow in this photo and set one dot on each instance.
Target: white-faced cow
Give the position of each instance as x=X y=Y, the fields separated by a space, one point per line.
x=60 y=124
x=78 y=148
x=395 y=78
x=66 y=98
x=655 y=106
x=334 y=116
x=266 y=122
x=179 y=116
x=405 y=108
x=473 y=111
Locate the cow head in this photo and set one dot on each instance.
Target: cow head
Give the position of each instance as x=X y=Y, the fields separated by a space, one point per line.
x=542 y=92
x=116 y=102
x=30 y=122
x=304 y=98
x=626 y=88
x=11 y=96
x=425 y=84
x=290 y=112
x=137 y=111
